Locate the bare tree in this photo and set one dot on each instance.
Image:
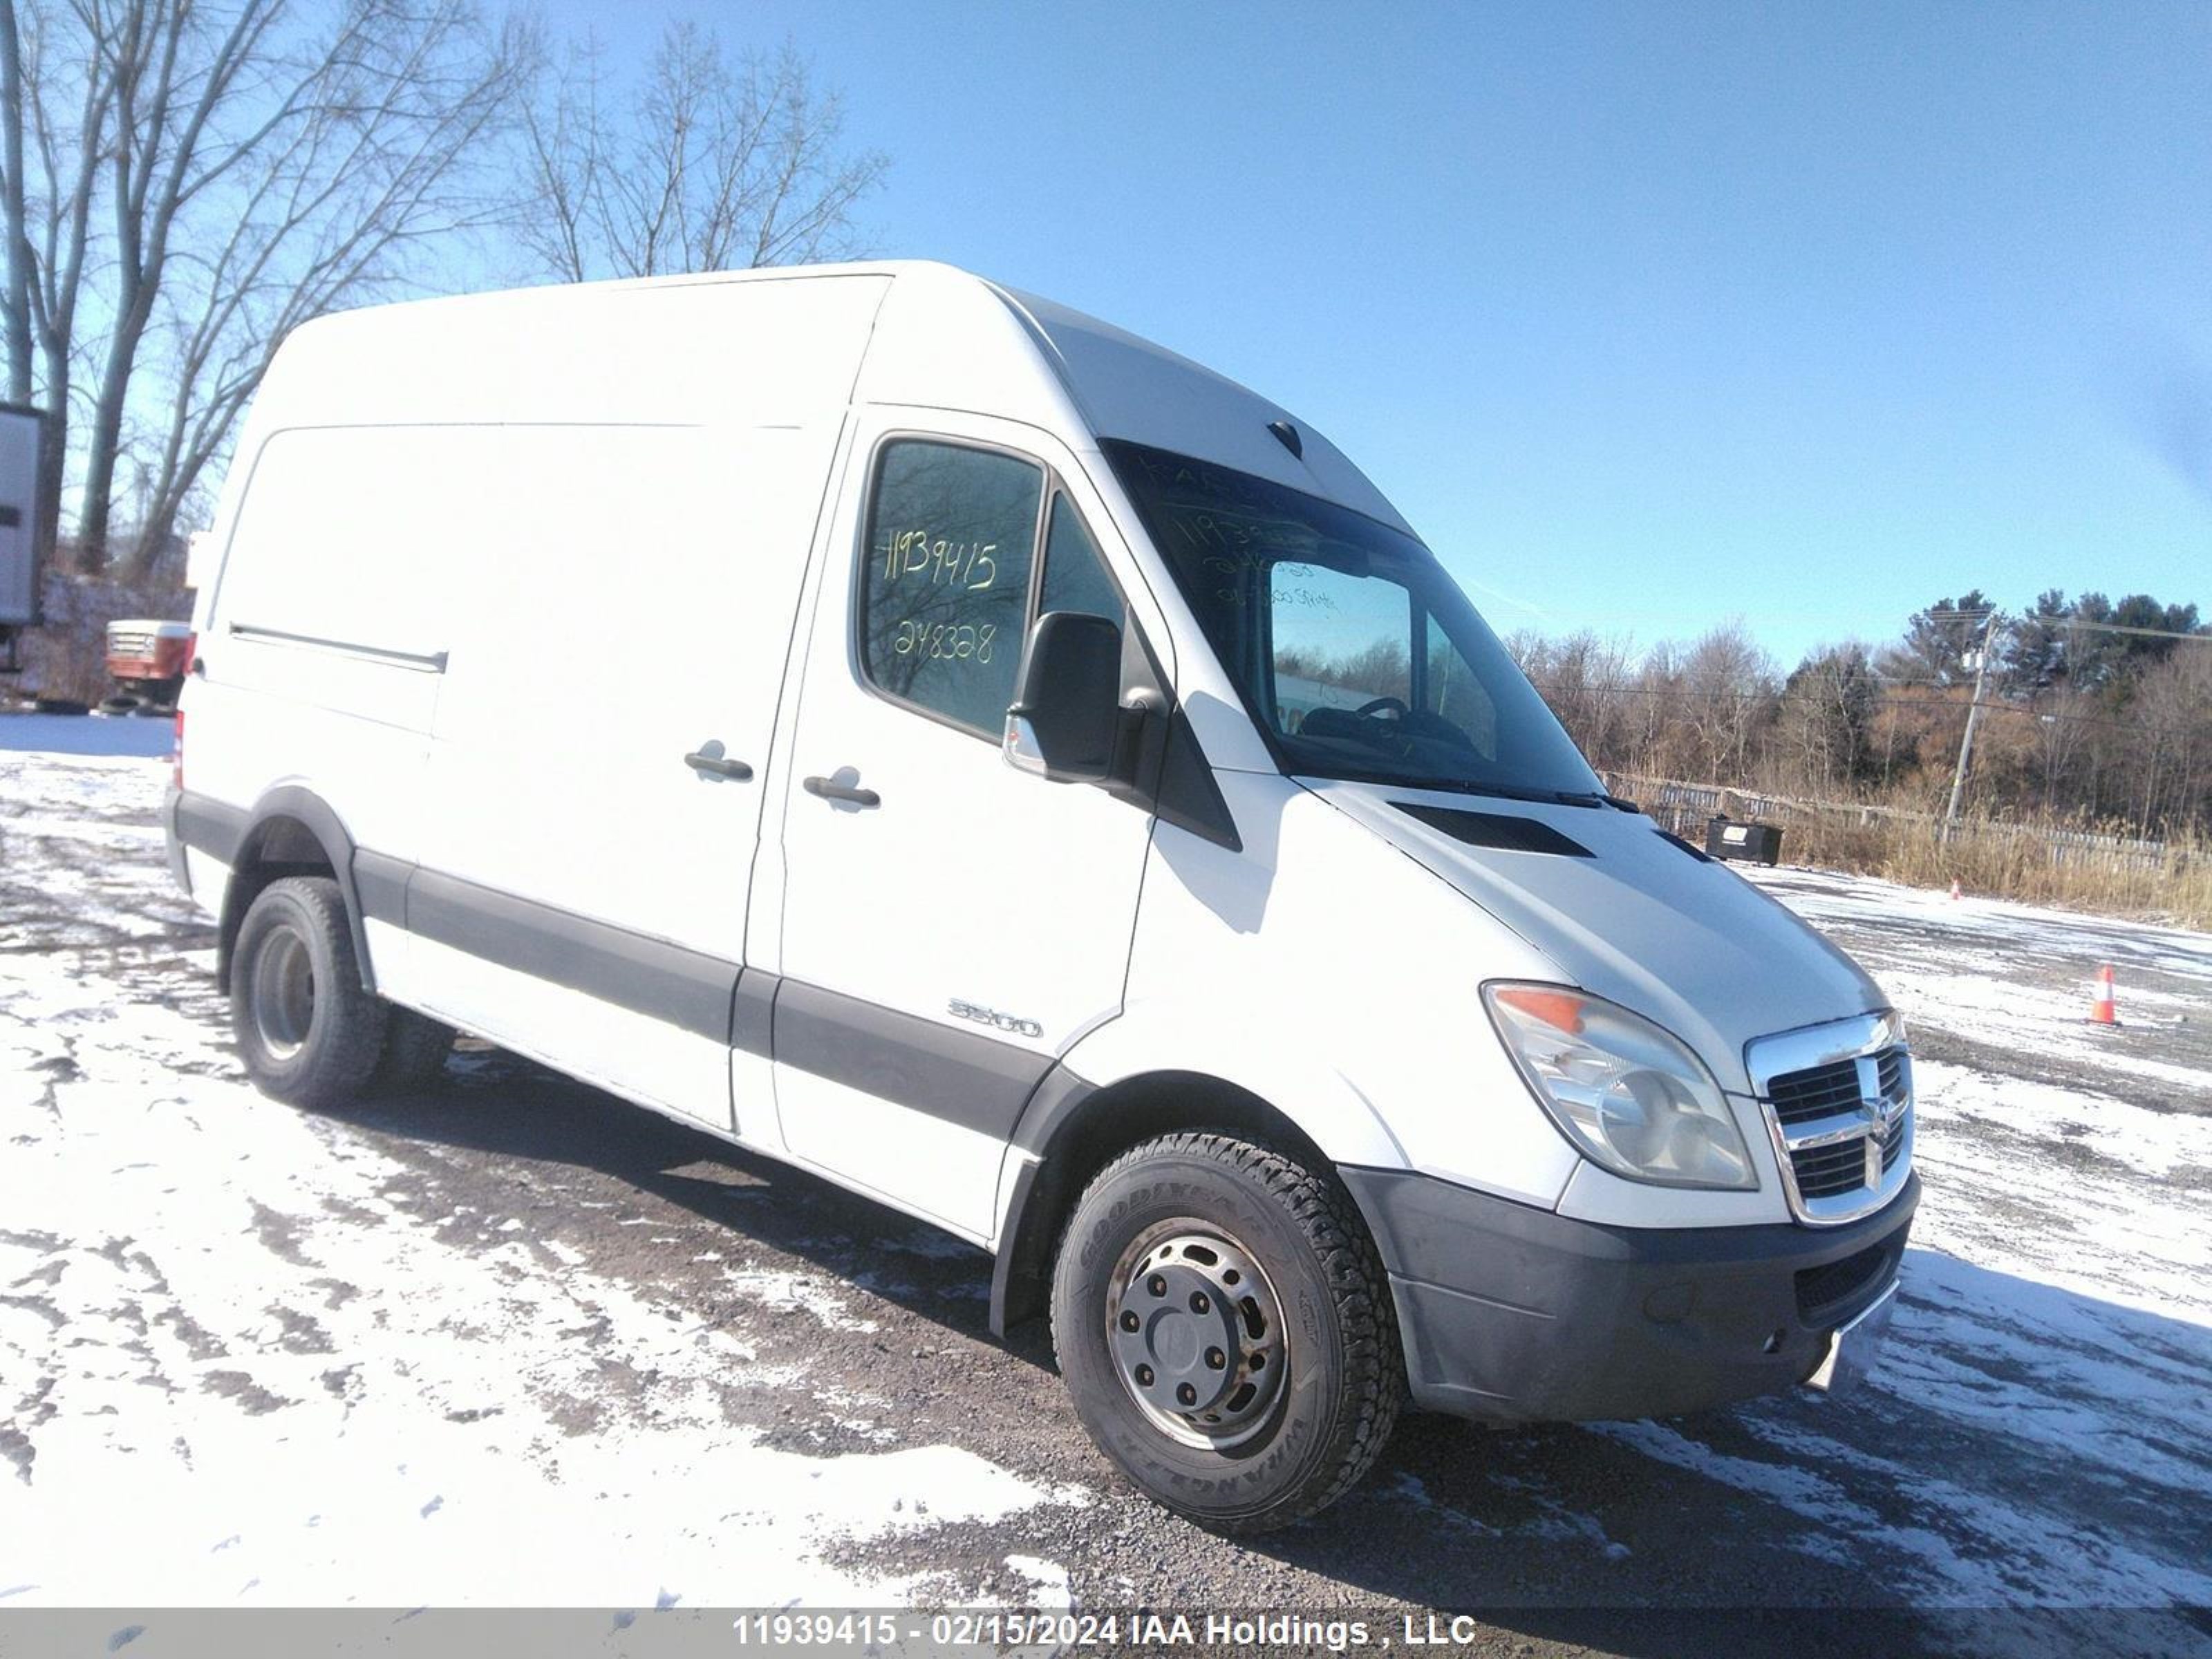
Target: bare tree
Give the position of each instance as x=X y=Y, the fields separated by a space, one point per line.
x=256 y=164
x=1727 y=690
x=1823 y=725
x=708 y=166
x=57 y=101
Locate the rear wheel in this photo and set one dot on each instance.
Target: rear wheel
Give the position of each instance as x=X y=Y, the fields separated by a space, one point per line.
x=307 y=1029
x=415 y=1050
x=1224 y=1329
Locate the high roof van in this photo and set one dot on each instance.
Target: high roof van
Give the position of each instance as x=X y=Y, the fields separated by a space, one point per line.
x=915 y=731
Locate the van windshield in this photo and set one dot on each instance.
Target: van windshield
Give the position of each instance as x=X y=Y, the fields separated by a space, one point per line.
x=1355 y=653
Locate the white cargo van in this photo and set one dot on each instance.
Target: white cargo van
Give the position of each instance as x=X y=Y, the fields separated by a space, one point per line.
x=923 y=733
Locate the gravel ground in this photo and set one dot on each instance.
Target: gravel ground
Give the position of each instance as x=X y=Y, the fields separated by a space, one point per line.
x=753 y=1386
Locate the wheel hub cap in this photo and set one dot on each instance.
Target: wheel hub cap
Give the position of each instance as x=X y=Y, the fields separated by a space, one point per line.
x=284 y=993
x=1196 y=1338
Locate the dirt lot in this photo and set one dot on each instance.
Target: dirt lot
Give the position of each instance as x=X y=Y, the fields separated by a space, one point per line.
x=510 y=1341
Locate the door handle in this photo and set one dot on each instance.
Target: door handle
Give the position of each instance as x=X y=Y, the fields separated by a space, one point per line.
x=717 y=766
x=830 y=791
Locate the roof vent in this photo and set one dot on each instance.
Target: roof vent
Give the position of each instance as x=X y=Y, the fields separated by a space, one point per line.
x=1288 y=434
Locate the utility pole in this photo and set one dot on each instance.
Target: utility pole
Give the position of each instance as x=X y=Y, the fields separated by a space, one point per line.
x=1974 y=714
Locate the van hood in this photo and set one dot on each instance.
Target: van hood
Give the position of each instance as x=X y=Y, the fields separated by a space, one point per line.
x=1640 y=920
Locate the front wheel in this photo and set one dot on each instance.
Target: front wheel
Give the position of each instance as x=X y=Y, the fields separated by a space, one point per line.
x=1225 y=1330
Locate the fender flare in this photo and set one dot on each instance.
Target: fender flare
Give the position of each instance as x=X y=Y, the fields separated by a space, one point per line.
x=304 y=807
x=1038 y=1192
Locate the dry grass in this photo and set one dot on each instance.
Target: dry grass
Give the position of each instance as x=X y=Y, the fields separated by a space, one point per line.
x=67 y=655
x=2038 y=859
x=2013 y=860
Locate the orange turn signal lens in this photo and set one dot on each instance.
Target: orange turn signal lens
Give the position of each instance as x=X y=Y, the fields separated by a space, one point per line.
x=1560 y=1009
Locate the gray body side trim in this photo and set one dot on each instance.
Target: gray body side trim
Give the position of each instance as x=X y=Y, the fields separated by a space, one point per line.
x=964 y=1077
x=382 y=883
x=752 y=1014
x=207 y=826
x=975 y=1081
x=959 y=1077
x=690 y=990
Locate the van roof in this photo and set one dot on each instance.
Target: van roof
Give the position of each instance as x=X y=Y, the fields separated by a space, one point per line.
x=913 y=332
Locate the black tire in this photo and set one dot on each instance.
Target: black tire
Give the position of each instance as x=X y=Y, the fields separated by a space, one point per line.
x=415 y=1050
x=1339 y=1376
x=316 y=1043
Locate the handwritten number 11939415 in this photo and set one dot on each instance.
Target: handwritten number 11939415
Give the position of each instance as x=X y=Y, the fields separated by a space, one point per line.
x=972 y=566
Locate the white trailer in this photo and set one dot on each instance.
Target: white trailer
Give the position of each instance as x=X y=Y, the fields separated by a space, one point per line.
x=22 y=554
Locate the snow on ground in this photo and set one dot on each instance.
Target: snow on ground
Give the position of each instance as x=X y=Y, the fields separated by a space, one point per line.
x=248 y=1357
x=214 y=1397
x=2048 y=1377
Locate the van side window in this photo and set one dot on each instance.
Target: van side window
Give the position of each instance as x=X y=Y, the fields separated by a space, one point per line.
x=943 y=592
x=1075 y=577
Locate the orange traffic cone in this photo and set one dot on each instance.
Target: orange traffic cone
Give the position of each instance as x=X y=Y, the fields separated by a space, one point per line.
x=2101 y=1011
x=1956 y=894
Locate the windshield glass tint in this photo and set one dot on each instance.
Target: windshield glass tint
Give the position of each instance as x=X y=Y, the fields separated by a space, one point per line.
x=1357 y=655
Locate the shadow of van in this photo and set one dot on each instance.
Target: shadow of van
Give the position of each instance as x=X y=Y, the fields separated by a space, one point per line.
x=2028 y=1471
x=494 y=1102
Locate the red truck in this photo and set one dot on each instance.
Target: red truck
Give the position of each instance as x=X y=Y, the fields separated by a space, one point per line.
x=147 y=659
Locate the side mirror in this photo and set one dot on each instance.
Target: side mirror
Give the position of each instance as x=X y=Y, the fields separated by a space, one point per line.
x=1064 y=720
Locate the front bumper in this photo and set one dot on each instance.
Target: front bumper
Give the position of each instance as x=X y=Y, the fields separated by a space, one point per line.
x=1517 y=1314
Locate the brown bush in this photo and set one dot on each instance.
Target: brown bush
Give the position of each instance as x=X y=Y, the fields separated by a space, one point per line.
x=66 y=656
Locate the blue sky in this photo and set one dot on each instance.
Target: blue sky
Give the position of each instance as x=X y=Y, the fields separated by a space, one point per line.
x=1645 y=315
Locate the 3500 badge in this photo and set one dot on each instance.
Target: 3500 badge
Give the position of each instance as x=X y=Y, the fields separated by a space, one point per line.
x=992 y=1017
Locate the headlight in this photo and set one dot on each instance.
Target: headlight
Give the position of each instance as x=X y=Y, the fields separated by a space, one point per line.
x=1632 y=1097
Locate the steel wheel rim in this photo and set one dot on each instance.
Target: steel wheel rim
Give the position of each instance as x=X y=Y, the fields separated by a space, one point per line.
x=284 y=993
x=1195 y=1334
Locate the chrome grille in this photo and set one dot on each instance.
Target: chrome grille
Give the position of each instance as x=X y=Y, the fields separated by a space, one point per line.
x=1819 y=1091
x=1838 y=1105
x=1825 y=1171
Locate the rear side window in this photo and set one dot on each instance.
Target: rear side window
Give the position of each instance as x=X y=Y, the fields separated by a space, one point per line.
x=943 y=592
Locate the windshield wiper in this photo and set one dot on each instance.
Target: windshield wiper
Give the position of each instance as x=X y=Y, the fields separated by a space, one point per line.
x=1521 y=792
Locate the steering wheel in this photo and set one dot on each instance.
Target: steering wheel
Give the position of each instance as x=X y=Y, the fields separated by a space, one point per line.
x=1381 y=705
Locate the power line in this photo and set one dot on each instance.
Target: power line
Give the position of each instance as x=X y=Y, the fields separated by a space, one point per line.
x=2198 y=638
x=1989 y=704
